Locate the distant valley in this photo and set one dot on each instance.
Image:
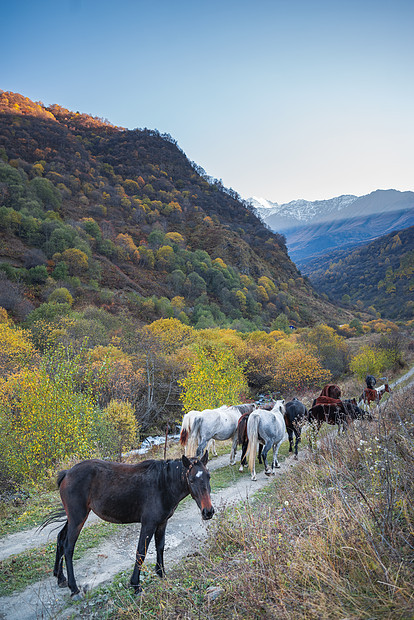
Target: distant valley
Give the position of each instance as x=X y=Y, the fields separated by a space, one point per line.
x=315 y=228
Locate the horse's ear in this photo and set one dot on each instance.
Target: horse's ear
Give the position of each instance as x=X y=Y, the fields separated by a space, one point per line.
x=204 y=458
x=186 y=461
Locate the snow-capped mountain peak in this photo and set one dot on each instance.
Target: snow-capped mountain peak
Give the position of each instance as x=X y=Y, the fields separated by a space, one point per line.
x=302 y=210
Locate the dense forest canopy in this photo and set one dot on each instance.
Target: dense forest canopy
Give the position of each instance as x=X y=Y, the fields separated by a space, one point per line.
x=378 y=276
x=123 y=218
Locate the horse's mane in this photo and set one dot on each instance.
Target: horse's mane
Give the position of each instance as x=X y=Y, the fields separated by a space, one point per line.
x=163 y=471
x=246 y=408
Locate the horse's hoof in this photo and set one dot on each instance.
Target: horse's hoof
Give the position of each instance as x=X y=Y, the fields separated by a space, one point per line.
x=63 y=584
x=277 y=466
x=254 y=479
x=296 y=457
x=269 y=473
x=241 y=468
x=77 y=596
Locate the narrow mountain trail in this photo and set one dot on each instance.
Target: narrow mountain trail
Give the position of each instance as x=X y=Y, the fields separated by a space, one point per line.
x=185 y=533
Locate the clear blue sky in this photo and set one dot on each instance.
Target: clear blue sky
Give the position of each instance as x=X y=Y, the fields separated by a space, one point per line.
x=281 y=99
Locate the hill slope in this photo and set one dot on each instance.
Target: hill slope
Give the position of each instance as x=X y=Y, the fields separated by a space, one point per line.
x=124 y=218
x=378 y=274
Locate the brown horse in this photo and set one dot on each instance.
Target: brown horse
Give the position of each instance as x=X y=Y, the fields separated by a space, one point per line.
x=242 y=438
x=373 y=395
x=146 y=493
x=341 y=413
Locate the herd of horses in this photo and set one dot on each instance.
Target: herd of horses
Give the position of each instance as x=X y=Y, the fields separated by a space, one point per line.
x=260 y=428
x=149 y=492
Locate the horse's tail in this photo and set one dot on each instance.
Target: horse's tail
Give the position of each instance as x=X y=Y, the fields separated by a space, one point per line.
x=185 y=428
x=59 y=514
x=193 y=437
x=60 y=477
x=253 y=438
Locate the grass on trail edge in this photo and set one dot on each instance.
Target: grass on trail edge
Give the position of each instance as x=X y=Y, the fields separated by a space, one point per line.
x=19 y=571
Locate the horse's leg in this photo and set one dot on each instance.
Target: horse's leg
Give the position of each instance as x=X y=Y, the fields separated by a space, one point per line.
x=297 y=435
x=201 y=448
x=266 y=449
x=233 y=449
x=159 y=545
x=259 y=453
x=290 y=435
x=213 y=443
x=243 y=461
x=60 y=550
x=74 y=528
x=146 y=534
x=275 y=464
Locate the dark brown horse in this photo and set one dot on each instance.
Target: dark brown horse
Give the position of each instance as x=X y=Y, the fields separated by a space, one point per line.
x=341 y=413
x=146 y=493
x=243 y=440
x=295 y=416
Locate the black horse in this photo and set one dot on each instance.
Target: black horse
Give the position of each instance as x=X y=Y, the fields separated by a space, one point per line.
x=146 y=493
x=296 y=415
x=340 y=413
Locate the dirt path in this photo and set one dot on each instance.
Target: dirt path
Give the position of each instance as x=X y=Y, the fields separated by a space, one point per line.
x=185 y=532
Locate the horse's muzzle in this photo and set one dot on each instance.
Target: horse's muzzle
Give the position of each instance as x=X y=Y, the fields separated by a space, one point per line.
x=207 y=513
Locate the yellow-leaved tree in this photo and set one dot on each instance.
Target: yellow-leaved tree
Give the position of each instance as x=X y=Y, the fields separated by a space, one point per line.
x=120 y=428
x=371 y=361
x=215 y=379
x=43 y=421
x=16 y=349
x=297 y=369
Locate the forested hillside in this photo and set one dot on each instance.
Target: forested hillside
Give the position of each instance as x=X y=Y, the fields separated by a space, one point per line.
x=378 y=276
x=93 y=214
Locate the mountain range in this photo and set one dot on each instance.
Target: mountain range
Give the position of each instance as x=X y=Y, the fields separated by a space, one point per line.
x=313 y=228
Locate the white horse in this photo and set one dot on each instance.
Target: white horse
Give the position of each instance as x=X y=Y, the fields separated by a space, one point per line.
x=269 y=429
x=185 y=429
x=219 y=424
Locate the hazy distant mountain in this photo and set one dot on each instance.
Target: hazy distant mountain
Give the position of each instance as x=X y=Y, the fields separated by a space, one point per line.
x=314 y=228
x=299 y=211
